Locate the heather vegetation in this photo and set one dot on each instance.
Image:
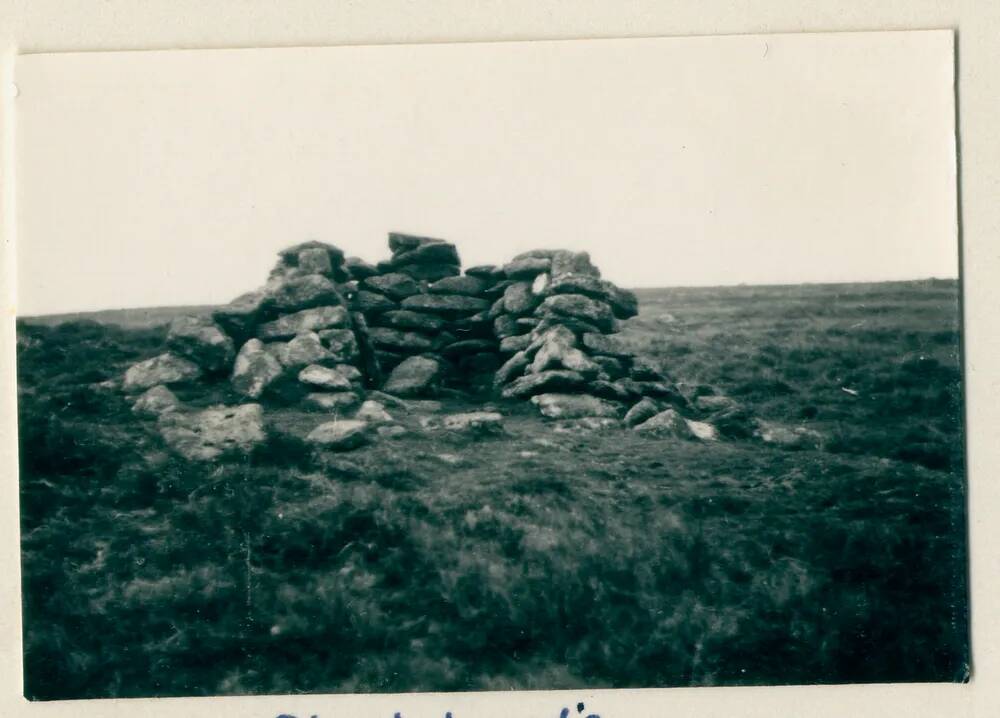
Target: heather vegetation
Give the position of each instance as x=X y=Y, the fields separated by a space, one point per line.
x=527 y=558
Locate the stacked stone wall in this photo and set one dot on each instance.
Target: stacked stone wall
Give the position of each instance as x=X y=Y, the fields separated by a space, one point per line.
x=297 y=339
x=323 y=330
x=557 y=323
x=427 y=323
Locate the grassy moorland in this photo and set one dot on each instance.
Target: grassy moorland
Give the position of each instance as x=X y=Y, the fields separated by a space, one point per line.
x=539 y=559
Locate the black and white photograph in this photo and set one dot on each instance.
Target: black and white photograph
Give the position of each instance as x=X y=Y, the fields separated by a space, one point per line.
x=491 y=366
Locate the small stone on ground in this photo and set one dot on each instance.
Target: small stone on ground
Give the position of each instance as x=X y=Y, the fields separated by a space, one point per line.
x=156 y=401
x=341 y=435
x=414 y=376
x=666 y=423
x=166 y=368
x=575 y=406
x=373 y=412
x=476 y=422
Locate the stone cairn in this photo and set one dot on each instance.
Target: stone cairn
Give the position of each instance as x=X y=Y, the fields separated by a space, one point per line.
x=297 y=339
x=324 y=330
x=557 y=323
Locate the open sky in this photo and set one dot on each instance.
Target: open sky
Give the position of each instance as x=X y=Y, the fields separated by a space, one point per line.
x=170 y=178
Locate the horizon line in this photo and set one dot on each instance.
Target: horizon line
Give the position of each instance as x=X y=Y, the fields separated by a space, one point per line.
x=631 y=288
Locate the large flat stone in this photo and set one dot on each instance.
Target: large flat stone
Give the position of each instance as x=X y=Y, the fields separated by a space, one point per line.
x=255 y=369
x=315 y=260
x=308 y=320
x=155 y=402
x=239 y=318
x=574 y=324
x=469 y=346
x=702 y=430
x=643 y=410
x=290 y=256
x=403 y=242
x=466 y=285
x=373 y=412
x=580 y=307
x=429 y=272
x=566 y=262
x=409 y=319
x=556 y=333
x=714 y=403
x=359 y=269
x=372 y=302
x=488 y=272
x=623 y=303
x=324 y=378
x=393 y=285
x=518 y=299
x=548 y=381
x=415 y=376
x=556 y=353
x=212 y=433
x=609 y=390
x=655 y=389
x=446 y=305
x=202 y=341
x=168 y=369
x=575 y=406
x=788 y=436
x=479 y=423
x=299 y=292
x=398 y=340
x=330 y=402
x=400 y=242
x=510 y=345
x=667 y=423
x=341 y=434
x=302 y=350
x=527 y=267
x=431 y=252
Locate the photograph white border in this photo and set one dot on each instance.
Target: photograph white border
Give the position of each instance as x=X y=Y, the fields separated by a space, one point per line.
x=51 y=26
